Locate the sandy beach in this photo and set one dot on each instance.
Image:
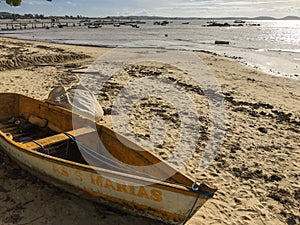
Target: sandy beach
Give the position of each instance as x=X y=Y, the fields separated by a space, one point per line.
x=256 y=170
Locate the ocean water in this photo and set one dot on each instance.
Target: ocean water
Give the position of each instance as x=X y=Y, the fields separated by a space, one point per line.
x=274 y=46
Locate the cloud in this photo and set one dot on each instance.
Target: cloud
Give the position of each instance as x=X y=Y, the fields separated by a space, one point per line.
x=229 y=7
x=185 y=8
x=35 y=2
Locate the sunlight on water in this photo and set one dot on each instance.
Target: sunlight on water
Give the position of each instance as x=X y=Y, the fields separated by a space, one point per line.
x=282 y=23
x=285 y=36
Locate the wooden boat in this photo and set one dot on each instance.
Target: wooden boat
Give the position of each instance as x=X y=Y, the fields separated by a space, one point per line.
x=40 y=137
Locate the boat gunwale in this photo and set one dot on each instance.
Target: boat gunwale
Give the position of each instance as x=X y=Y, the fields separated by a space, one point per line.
x=101 y=171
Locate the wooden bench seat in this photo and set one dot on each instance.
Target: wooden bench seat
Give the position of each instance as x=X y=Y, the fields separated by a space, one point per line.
x=34 y=145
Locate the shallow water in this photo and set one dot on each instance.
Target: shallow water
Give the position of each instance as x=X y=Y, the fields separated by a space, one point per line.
x=273 y=47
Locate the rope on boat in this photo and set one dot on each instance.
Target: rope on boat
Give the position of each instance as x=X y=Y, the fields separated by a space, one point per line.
x=42 y=147
x=49 y=150
x=199 y=191
x=119 y=166
x=107 y=161
x=191 y=211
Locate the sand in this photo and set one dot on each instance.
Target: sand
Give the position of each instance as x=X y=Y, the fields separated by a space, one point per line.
x=256 y=170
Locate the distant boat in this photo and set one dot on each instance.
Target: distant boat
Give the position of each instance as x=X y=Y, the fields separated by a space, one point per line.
x=216 y=24
x=210 y=21
x=140 y=22
x=85 y=21
x=186 y=23
x=254 y=24
x=164 y=23
x=61 y=25
x=221 y=42
x=238 y=25
x=8 y=29
x=239 y=21
x=117 y=25
x=134 y=25
x=94 y=26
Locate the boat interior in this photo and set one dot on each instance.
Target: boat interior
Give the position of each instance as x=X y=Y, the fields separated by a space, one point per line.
x=42 y=139
x=39 y=126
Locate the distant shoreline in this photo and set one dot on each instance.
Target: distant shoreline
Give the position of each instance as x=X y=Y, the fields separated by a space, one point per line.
x=8 y=15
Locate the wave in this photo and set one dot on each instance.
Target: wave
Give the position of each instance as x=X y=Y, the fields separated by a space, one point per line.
x=279 y=50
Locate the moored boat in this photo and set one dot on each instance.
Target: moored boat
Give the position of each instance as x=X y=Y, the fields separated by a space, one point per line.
x=42 y=139
x=239 y=21
x=94 y=26
x=221 y=42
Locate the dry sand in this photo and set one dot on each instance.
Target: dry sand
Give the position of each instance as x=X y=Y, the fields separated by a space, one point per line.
x=256 y=170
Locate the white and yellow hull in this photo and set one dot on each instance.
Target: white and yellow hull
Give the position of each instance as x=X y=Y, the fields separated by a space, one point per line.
x=162 y=200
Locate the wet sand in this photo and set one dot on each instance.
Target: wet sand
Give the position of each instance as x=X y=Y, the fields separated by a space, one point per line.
x=256 y=170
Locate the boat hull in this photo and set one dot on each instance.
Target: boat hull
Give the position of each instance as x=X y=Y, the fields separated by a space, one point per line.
x=127 y=193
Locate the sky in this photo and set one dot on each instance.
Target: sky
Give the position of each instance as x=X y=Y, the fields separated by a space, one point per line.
x=180 y=8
